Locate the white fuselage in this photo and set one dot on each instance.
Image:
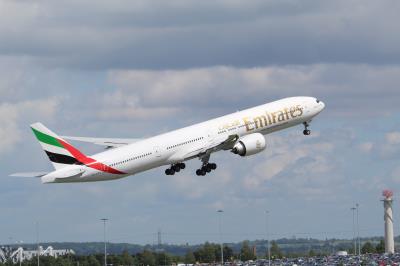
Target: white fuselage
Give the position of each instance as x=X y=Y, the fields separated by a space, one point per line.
x=174 y=147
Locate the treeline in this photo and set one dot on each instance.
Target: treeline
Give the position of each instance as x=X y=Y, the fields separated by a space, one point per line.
x=369 y=247
x=206 y=253
x=287 y=245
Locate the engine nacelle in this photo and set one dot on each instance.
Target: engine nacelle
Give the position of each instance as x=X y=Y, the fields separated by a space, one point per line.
x=250 y=144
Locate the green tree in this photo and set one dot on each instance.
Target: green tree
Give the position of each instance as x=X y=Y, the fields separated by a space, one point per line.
x=189 y=257
x=163 y=259
x=91 y=260
x=349 y=250
x=367 y=248
x=126 y=258
x=380 y=248
x=146 y=258
x=228 y=253
x=206 y=253
x=275 y=250
x=311 y=253
x=245 y=252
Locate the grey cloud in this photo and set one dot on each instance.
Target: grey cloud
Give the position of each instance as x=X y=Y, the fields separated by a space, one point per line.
x=313 y=169
x=153 y=13
x=302 y=161
x=172 y=199
x=12 y=114
x=386 y=147
x=155 y=98
x=348 y=90
x=252 y=52
x=180 y=34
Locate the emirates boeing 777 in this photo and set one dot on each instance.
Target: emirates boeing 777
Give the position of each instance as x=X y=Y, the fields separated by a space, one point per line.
x=242 y=133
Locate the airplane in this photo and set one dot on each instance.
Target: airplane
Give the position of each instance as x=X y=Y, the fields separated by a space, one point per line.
x=242 y=133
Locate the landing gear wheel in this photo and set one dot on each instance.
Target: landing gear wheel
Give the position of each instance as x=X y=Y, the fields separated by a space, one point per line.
x=306 y=131
x=169 y=171
x=182 y=165
x=206 y=168
x=201 y=172
x=176 y=167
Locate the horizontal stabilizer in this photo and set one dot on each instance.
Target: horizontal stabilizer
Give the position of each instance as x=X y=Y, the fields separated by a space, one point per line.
x=30 y=174
x=108 y=142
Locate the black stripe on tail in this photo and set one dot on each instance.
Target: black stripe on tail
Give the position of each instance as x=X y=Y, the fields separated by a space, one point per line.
x=61 y=158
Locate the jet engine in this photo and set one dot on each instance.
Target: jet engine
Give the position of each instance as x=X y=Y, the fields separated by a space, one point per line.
x=250 y=144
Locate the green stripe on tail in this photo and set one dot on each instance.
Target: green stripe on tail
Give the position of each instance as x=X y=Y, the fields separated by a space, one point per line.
x=46 y=138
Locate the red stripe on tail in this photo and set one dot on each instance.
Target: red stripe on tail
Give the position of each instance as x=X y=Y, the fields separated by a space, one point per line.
x=89 y=162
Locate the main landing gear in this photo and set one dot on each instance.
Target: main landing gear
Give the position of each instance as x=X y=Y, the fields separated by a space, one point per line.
x=206 y=168
x=175 y=168
x=306 y=131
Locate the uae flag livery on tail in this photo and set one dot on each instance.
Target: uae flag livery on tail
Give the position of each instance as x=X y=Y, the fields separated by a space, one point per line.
x=52 y=145
x=62 y=154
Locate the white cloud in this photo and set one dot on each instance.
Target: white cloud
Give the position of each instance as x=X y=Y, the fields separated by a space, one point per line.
x=338 y=85
x=9 y=133
x=393 y=138
x=395 y=174
x=193 y=187
x=366 y=147
x=119 y=105
x=386 y=147
x=11 y=116
x=294 y=166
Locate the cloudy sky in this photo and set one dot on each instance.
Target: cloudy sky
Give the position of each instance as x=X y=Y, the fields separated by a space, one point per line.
x=139 y=68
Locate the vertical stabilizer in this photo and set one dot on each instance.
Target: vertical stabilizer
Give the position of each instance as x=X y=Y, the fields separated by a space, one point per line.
x=54 y=146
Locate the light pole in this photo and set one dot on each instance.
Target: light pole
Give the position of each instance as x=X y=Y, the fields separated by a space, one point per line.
x=267 y=231
x=105 y=243
x=220 y=236
x=354 y=230
x=37 y=243
x=358 y=233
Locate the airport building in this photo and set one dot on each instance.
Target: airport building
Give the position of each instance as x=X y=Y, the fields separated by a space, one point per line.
x=8 y=254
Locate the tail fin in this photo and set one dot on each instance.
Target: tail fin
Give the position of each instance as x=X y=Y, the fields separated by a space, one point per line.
x=60 y=152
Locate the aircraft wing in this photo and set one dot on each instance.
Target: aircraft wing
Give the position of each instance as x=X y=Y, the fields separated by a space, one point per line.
x=108 y=142
x=224 y=143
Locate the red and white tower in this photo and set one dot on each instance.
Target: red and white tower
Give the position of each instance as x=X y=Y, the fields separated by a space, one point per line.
x=388 y=217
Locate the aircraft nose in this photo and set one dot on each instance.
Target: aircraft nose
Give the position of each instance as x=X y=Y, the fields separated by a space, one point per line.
x=322 y=104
